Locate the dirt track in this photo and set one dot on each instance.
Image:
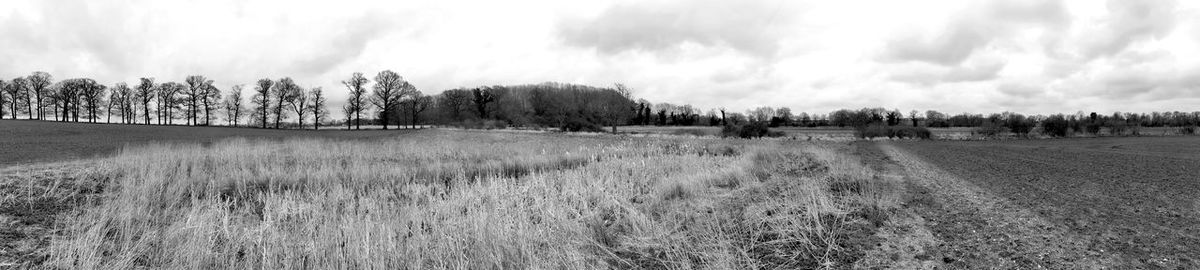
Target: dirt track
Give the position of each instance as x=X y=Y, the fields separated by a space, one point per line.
x=1116 y=203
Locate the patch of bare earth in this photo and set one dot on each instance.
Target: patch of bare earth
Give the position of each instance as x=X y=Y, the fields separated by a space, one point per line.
x=31 y=199
x=946 y=222
x=1129 y=200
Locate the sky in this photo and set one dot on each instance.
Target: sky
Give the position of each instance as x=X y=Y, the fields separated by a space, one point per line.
x=1039 y=56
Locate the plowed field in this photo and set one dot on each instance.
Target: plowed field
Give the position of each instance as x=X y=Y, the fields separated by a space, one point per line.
x=1126 y=202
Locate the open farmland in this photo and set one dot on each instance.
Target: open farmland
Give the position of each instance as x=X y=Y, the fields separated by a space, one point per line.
x=450 y=199
x=1124 y=203
x=27 y=142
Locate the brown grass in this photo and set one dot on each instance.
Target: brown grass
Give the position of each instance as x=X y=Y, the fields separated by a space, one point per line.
x=441 y=199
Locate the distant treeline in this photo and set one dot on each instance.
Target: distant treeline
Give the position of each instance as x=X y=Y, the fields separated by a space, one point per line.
x=388 y=99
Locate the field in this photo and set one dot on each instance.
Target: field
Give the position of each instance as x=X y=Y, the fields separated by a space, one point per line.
x=449 y=199
x=28 y=142
x=192 y=197
x=1122 y=202
x=800 y=133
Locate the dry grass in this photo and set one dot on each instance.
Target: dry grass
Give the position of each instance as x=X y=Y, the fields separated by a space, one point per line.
x=442 y=199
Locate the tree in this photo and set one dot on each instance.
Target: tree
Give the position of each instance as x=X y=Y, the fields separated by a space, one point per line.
x=116 y=100
x=389 y=89
x=262 y=99
x=211 y=97
x=3 y=96
x=282 y=92
x=615 y=106
x=318 y=106
x=453 y=102
x=16 y=90
x=299 y=101
x=358 y=95
x=93 y=95
x=38 y=83
x=481 y=98
x=893 y=117
x=197 y=88
x=416 y=105
x=168 y=93
x=233 y=105
x=914 y=115
x=145 y=93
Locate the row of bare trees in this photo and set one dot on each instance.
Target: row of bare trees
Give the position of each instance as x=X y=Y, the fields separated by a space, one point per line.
x=199 y=100
x=388 y=93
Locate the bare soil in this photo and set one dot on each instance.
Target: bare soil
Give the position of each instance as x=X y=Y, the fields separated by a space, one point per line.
x=1121 y=203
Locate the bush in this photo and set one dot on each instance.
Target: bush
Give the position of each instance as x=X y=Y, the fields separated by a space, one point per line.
x=692 y=131
x=751 y=130
x=482 y=124
x=1056 y=126
x=1188 y=130
x=990 y=129
x=901 y=132
x=576 y=125
x=907 y=132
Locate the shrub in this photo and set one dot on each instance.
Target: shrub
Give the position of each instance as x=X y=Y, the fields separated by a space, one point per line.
x=751 y=130
x=575 y=125
x=1092 y=128
x=990 y=129
x=901 y=132
x=907 y=132
x=692 y=131
x=1188 y=130
x=1056 y=126
x=482 y=124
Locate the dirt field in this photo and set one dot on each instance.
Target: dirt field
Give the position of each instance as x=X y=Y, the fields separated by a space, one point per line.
x=27 y=142
x=821 y=133
x=1120 y=203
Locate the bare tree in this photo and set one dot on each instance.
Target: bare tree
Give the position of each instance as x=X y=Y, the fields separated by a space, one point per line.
x=39 y=82
x=197 y=86
x=299 y=101
x=358 y=96
x=3 y=96
x=262 y=99
x=318 y=106
x=416 y=105
x=483 y=97
x=282 y=92
x=453 y=102
x=168 y=99
x=145 y=94
x=914 y=115
x=115 y=100
x=389 y=89
x=17 y=93
x=93 y=95
x=211 y=97
x=233 y=105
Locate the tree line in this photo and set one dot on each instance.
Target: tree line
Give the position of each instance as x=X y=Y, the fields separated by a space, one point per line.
x=388 y=99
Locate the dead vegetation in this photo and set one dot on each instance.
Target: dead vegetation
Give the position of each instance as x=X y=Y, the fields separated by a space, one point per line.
x=477 y=200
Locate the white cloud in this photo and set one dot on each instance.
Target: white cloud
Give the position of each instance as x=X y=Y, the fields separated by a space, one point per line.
x=815 y=56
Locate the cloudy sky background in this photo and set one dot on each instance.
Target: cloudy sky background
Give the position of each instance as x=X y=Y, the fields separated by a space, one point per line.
x=814 y=56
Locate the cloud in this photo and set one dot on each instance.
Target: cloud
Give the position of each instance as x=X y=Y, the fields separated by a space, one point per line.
x=1130 y=22
x=978 y=26
x=934 y=75
x=753 y=27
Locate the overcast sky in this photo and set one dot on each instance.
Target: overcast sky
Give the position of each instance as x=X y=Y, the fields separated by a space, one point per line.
x=814 y=56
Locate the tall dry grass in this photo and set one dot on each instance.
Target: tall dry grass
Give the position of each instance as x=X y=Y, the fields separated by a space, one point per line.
x=478 y=200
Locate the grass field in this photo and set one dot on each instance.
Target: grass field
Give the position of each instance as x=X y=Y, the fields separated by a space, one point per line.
x=451 y=199
x=192 y=197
